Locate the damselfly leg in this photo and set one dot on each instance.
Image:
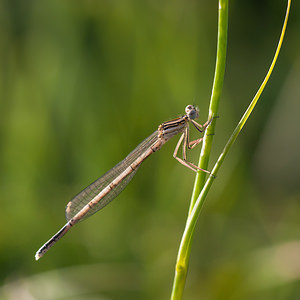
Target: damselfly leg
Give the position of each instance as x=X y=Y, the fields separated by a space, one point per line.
x=186 y=144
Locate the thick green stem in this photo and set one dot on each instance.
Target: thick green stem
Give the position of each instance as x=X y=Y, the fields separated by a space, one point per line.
x=215 y=98
x=184 y=253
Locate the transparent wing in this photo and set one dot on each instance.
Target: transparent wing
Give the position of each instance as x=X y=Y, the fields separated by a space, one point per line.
x=85 y=196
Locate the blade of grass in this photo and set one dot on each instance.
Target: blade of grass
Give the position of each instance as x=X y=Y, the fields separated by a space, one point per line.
x=185 y=245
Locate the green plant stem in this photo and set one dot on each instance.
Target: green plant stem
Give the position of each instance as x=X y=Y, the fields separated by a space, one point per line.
x=183 y=256
x=214 y=100
x=185 y=245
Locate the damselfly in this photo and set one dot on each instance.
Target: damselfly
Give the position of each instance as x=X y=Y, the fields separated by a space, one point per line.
x=107 y=187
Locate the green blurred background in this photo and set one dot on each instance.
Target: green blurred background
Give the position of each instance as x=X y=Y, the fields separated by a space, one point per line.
x=82 y=83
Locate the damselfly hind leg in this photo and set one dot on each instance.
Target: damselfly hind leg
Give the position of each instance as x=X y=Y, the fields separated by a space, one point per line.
x=190 y=145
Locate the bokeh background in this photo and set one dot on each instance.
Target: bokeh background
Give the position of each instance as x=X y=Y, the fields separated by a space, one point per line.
x=81 y=84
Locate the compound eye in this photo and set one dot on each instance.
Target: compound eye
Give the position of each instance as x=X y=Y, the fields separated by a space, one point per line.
x=189 y=108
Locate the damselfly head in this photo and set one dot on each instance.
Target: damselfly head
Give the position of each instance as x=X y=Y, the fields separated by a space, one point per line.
x=192 y=112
